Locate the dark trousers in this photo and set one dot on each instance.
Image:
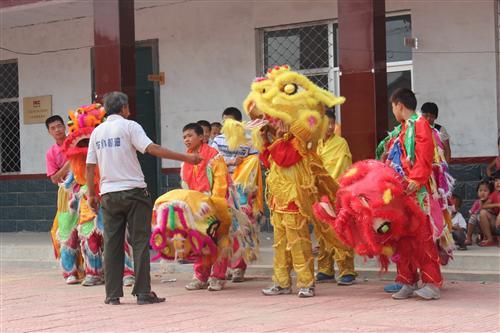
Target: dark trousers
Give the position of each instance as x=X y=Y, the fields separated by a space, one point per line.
x=459 y=237
x=132 y=209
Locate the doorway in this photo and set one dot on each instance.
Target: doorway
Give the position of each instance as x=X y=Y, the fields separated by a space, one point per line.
x=148 y=108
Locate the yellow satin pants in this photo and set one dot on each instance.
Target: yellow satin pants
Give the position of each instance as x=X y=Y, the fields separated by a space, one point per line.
x=331 y=250
x=292 y=250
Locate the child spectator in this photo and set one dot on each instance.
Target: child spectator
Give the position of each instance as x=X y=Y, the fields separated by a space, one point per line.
x=232 y=158
x=216 y=130
x=244 y=168
x=489 y=220
x=207 y=129
x=483 y=189
x=459 y=226
x=430 y=111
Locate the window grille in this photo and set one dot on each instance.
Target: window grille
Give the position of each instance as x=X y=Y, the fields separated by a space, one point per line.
x=10 y=152
x=308 y=49
x=312 y=49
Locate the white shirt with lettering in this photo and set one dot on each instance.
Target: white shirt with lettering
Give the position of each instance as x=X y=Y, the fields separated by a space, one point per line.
x=113 y=147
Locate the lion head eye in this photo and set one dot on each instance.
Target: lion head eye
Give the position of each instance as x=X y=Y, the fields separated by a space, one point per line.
x=384 y=228
x=290 y=89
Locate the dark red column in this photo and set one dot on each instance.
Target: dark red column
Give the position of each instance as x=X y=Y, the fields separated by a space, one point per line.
x=363 y=79
x=114 y=53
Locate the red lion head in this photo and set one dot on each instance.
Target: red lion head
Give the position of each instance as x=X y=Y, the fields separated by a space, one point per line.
x=372 y=212
x=82 y=123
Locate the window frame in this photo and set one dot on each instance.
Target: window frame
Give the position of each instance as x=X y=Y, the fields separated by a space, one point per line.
x=13 y=100
x=332 y=71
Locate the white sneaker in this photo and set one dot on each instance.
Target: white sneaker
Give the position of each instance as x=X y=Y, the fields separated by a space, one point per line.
x=428 y=292
x=405 y=292
x=196 y=284
x=92 y=281
x=72 y=280
x=276 y=290
x=306 y=292
x=215 y=284
x=128 y=281
x=238 y=275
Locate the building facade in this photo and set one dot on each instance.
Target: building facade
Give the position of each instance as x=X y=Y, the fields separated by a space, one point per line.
x=210 y=51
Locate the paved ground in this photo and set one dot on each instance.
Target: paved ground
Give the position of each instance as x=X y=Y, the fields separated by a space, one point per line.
x=35 y=299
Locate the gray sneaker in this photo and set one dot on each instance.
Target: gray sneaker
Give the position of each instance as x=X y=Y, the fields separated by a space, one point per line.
x=92 y=281
x=405 y=292
x=276 y=290
x=428 y=291
x=128 y=281
x=72 y=280
x=196 y=284
x=238 y=275
x=306 y=292
x=215 y=284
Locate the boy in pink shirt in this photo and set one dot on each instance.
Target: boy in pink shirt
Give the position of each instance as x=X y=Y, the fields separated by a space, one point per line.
x=57 y=170
x=57 y=165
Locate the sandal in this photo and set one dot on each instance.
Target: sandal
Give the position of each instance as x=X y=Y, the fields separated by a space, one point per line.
x=150 y=298
x=468 y=243
x=487 y=243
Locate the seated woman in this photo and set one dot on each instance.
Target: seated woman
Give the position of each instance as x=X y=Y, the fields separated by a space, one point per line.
x=489 y=218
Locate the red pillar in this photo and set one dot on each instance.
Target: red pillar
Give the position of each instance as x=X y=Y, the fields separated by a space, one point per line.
x=363 y=79
x=114 y=53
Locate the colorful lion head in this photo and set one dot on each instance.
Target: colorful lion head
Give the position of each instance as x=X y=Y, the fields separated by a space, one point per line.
x=372 y=211
x=81 y=124
x=291 y=98
x=187 y=224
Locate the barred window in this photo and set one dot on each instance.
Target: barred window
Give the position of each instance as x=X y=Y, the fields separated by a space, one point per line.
x=312 y=49
x=308 y=49
x=10 y=152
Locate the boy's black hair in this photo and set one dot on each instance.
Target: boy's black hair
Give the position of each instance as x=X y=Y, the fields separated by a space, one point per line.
x=429 y=107
x=204 y=123
x=458 y=201
x=233 y=112
x=216 y=124
x=405 y=97
x=195 y=127
x=488 y=184
x=53 y=119
x=330 y=113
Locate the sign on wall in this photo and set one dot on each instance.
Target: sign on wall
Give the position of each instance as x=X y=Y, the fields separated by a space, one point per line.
x=37 y=109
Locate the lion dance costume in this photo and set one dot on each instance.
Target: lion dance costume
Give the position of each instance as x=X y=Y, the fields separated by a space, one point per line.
x=374 y=215
x=296 y=177
x=79 y=229
x=246 y=191
x=194 y=223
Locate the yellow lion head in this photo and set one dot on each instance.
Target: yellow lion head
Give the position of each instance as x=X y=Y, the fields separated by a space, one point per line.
x=290 y=98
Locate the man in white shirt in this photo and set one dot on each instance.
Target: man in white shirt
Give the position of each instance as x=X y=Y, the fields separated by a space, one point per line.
x=125 y=199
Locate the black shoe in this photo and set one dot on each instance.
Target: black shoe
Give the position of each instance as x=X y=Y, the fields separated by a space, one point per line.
x=150 y=298
x=112 y=300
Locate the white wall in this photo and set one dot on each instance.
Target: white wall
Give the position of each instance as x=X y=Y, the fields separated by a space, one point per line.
x=455 y=67
x=208 y=53
x=64 y=75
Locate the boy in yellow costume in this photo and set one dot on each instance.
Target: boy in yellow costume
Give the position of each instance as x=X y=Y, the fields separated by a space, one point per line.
x=293 y=109
x=336 y=156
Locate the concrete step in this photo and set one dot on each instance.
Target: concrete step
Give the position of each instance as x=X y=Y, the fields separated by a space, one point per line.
x=475 y=264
